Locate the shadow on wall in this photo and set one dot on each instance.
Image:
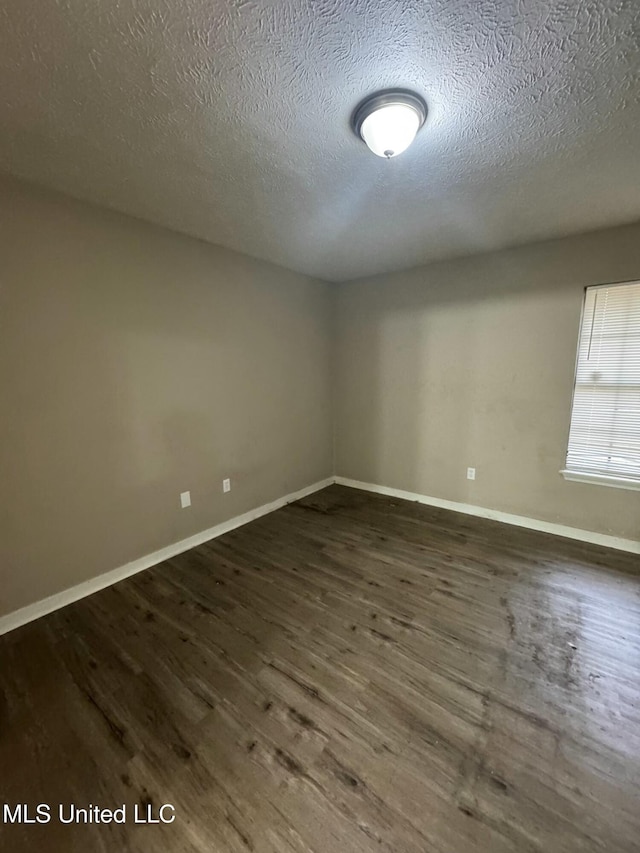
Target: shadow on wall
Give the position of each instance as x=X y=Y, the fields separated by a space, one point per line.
x=138 y=364
x=98 y=450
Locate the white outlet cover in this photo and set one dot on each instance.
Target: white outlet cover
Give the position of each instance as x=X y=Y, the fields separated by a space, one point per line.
x=471 y=473
x=185 y=499
x=226 y=485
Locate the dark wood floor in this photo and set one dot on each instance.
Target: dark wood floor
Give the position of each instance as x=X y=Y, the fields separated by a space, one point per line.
x=350 y=673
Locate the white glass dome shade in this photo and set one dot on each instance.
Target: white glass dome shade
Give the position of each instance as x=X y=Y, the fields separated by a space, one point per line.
x=388 y=122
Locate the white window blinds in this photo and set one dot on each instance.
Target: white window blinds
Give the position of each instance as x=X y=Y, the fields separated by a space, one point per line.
x=604 y=439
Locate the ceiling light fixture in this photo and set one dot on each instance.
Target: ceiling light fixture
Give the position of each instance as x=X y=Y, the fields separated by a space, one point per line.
x=388 y=121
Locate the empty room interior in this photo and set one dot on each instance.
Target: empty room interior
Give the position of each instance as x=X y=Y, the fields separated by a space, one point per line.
x=320 y=426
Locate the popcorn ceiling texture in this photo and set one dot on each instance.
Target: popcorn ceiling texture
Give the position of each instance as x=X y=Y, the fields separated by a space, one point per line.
x=230 y=120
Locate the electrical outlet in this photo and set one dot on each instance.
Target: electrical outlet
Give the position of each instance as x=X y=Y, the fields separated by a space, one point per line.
x=226 y=485
x=185 y=499
x=471 y=473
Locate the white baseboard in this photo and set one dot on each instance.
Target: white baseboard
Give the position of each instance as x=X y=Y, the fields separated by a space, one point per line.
x=81 y=590
x=54 y=602
x=495 y=515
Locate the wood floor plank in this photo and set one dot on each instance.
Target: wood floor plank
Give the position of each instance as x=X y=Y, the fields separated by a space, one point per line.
x=350 y=673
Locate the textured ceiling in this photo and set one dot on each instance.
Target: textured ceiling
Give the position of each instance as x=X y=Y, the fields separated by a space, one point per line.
x=229 y=120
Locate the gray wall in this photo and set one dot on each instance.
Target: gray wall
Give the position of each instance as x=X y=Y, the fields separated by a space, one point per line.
x=471 y=363
x=135 y=364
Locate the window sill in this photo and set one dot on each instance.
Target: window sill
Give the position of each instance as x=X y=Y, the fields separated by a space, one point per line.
x=601 y=480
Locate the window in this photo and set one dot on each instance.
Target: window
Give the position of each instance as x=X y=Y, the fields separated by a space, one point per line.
x=604 y=439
